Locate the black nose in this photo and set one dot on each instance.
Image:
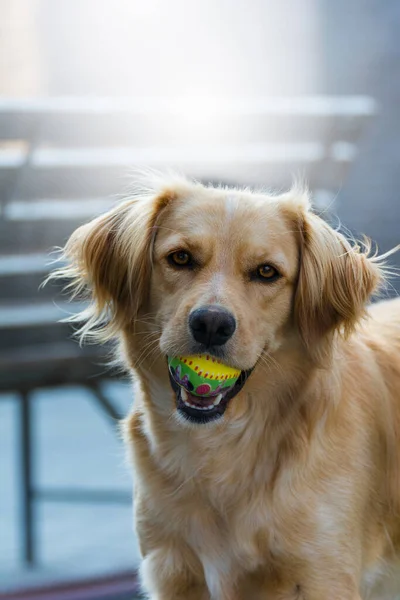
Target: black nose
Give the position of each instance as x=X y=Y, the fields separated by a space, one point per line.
x=212 y=325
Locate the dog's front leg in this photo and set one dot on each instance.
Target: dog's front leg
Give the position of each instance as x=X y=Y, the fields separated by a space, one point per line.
x=166 y=576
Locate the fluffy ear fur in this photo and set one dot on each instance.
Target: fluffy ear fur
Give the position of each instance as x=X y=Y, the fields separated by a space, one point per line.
x=110 y=259
x=335 y=282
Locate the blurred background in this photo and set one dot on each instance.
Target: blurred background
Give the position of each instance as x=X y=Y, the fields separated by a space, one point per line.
x=234 y=92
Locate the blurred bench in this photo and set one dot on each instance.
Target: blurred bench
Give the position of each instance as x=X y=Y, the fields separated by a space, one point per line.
x=61 y=159
x=81 y=148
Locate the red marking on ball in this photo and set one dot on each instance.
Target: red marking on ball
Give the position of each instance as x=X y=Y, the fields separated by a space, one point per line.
x=203 y=389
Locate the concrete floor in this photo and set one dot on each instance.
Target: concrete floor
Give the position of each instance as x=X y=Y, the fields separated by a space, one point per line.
x=76 y=446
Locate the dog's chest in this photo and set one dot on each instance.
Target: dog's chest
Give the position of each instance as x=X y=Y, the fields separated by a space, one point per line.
x=230 y=545
x=232 y=528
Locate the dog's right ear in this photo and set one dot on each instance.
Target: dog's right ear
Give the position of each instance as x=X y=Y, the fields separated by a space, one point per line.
x=110 y=259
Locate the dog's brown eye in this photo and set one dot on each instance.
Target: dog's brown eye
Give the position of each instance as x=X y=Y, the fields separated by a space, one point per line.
x=267 y=273
x=180 y=259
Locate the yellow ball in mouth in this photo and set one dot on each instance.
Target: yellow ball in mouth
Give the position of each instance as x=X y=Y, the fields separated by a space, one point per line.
x=202 y=374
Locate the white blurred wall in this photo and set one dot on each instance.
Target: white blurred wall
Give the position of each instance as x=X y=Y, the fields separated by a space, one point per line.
x=159 y=47
x=21 y=71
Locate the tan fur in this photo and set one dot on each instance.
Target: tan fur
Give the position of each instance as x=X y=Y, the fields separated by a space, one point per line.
x=294 y=494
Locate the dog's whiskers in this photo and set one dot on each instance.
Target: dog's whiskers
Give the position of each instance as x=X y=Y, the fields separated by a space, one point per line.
x=268 y=362
x=149 y=347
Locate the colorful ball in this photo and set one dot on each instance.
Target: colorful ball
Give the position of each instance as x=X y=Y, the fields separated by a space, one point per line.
x=202 y=375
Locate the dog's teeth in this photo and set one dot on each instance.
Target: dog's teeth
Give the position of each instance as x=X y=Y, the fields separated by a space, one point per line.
x=185 y=399
x=217 y=400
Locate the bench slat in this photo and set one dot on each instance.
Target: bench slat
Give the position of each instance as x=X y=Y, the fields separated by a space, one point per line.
x=45 y=364
x=187 y=155
x=50 y=209
x=114 y=132
x=67 y=182
x=206 y=156
x=12 y=338
x=24 y=264
x=28 y=315
x=35 y=236
x=29 y=287
x=288 y=105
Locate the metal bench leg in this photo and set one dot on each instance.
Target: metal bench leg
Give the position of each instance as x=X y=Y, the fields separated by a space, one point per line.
x=26 y=458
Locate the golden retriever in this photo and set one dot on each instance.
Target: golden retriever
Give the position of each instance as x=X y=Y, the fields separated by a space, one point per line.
x=288 y=489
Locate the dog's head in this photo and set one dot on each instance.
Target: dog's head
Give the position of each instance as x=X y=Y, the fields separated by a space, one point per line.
x=229 y=273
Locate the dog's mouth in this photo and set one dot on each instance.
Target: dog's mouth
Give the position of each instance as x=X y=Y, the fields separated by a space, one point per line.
x=203 y=410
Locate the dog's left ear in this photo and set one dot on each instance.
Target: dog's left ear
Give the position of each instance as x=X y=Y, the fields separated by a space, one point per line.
x=334 y=284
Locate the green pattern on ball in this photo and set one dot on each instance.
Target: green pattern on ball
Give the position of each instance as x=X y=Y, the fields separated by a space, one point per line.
x=202 y=375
